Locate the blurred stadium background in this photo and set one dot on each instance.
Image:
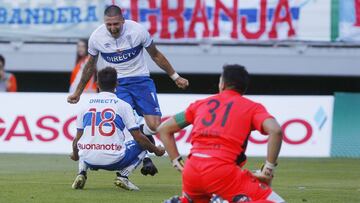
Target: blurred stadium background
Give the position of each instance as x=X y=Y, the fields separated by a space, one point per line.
x=304 y=60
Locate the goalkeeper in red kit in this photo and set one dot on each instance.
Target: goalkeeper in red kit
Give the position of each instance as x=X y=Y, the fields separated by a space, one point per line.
x=221 y=127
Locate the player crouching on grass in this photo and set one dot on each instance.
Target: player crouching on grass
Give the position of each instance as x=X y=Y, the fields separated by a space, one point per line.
x=100 y=139
x=222 y=124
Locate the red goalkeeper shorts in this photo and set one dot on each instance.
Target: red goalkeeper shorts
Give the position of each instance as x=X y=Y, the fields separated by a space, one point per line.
x=203 y=177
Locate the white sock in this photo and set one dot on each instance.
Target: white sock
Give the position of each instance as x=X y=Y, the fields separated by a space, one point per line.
x=147 y=130
x=126 y=172
x=82 y=166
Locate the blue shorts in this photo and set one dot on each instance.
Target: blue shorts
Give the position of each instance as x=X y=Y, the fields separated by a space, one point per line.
x=140 y=93
x=132 y=151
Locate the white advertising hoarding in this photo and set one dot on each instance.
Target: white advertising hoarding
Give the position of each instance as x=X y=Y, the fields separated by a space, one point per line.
x=45 y=123
x=306 y=122
x=36 y=123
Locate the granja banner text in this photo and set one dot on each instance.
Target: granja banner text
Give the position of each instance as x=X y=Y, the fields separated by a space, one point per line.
x=174 y=21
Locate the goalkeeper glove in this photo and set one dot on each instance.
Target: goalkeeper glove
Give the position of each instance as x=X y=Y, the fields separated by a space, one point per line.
x=266 y=173
x=178 y=163
x=268 y=169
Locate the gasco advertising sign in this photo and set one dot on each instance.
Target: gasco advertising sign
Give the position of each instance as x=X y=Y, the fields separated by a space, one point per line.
x=45 y=123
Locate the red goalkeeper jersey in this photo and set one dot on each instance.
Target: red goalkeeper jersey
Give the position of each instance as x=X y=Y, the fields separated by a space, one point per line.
x=222 y=124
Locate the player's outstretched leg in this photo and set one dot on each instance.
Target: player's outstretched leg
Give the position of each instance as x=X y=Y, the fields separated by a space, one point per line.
x=148 y=166
x=125 y=183
x=79 y=181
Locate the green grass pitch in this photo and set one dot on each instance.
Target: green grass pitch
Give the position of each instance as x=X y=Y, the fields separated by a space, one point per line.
x=28 y=178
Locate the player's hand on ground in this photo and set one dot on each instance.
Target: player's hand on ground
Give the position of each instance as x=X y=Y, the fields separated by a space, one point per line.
x=73 y=99
x=160 y=151
x=182 y=82
x=74 y=156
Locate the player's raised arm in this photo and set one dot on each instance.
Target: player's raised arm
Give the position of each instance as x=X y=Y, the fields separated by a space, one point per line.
x=164 y=64
x=88 y=71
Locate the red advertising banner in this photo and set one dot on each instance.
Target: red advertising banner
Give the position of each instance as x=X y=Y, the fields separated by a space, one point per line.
x=173 y=21
x=230 y=20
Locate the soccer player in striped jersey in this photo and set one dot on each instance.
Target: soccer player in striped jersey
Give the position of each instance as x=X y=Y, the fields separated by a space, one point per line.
x=100 y=139
x=120 y=43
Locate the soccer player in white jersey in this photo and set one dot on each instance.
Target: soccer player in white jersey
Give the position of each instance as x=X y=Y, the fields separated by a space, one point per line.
x=119 y=43
x=100 y=139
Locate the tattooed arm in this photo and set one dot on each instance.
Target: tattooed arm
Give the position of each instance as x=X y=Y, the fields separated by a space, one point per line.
x=164 y=64
x=88 y=71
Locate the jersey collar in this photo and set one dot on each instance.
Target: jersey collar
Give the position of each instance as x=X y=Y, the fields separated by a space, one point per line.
x=231 y=92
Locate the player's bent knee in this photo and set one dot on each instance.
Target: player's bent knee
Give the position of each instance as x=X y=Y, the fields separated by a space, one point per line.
x=146 y=130
x=155 y=124
x=152 y=124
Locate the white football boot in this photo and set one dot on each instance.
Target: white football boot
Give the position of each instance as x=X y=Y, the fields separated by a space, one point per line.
x=79 y=182
x=125 y=183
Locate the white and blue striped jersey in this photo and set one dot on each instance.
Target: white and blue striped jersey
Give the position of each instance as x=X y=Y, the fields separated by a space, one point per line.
x=104 y=120
x=125 y=53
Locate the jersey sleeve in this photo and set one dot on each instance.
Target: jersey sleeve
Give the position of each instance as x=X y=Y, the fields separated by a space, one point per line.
x=129 y=117
x=259 y=116
x=92 y=50
x=190 y=113
x=146 y=39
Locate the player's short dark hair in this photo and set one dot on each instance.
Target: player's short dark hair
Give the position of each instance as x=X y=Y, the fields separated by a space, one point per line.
x=2 y=59
x=236 y=77
x=112 y=11
x=107 y=79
